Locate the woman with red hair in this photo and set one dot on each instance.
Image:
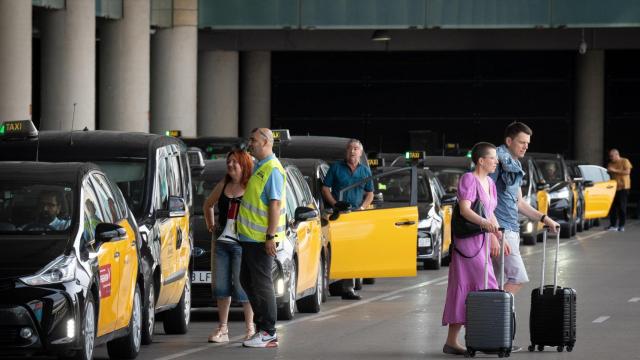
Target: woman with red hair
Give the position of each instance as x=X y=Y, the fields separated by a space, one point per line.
x=227 y=252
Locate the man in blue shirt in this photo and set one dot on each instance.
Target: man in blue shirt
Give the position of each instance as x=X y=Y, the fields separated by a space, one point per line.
x=341 y=175
x=508 y=179
x=51 y=203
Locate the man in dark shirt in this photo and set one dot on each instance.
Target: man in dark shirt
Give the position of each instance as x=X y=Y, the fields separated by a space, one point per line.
x=342 y=174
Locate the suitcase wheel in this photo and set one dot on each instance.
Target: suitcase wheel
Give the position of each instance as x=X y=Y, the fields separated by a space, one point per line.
x=469 y=353
x=532 y=347
x=540 y=347
x=560 y=348
x=570 y=348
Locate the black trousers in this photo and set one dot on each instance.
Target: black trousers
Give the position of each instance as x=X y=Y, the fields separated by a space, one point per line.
x=255 y=277
x=618 y=212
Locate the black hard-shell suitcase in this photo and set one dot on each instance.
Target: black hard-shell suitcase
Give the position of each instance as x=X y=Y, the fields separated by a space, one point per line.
x=552 y=321
x=490 y=324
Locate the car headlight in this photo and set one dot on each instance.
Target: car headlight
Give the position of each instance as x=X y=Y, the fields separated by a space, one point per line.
x=560 y=194
x=60 y=270
x=424 y=224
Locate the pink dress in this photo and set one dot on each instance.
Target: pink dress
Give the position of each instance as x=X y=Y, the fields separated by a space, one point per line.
x=466 y=275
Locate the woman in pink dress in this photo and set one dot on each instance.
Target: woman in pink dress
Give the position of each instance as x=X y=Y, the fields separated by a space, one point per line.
x=466 y=273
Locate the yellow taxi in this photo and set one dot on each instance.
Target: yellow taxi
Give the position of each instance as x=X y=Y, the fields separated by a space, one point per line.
x=72 y=279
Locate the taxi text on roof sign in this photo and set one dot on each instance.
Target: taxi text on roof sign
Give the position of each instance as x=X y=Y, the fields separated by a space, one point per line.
x=173 y=133
x=18 y=129
x=373 y=162
x=280 y=135
x=414 y=155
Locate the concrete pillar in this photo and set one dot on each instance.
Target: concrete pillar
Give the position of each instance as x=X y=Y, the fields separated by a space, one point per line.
x=255 y=88
x=68 y=66
x=15 y=60
x=589 y=121
x=125 y=69
x=218 y=93
x=174 y=69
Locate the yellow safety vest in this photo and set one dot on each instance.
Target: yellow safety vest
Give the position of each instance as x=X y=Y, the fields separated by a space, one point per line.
x=253 y=217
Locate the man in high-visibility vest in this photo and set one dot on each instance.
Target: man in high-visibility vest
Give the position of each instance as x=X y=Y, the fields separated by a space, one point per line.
x=261 y=224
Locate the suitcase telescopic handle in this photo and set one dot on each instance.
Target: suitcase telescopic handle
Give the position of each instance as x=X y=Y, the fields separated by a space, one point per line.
x=486 y=260
x=544 y=258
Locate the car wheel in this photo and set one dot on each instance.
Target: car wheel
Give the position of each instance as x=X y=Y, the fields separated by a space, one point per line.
x=88 y=330
x=176 y=320
x=149 y=315
x=288 y=309
x=311 y=303
x=325 y=281
x=128 y=347
x=587 y=224
x=574 y=227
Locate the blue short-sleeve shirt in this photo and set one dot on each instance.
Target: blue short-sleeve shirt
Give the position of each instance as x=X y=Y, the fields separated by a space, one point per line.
x=508 y=178
x=340 y=176
x=275 y=183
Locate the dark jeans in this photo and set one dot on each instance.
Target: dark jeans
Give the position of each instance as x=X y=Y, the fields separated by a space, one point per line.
x=255 y=277
x=619 y=207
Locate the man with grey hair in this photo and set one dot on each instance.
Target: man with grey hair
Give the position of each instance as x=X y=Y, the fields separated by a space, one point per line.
x=342 y=174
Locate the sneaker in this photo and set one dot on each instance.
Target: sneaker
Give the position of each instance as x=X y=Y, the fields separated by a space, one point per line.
x=262 y=339
x=251 y=330
x=621 y=229
x=221 y=335
x=612 y=228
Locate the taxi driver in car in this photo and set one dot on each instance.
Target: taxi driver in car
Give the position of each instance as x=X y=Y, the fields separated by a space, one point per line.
x=50 y=209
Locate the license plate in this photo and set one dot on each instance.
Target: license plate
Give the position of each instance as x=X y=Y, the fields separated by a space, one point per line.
x=201 y=277
x=424 y=242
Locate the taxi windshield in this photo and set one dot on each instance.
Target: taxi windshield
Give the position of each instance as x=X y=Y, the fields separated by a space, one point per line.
x=129 y=175
x=551 y=170
x=448 y=176
x=35 y=208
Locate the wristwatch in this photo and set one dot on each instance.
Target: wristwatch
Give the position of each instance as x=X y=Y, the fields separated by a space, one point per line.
x=270 y=237
x=542 y=217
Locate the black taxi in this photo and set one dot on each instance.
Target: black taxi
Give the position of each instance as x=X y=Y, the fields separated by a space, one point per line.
x=70 y=276
x=152 y=171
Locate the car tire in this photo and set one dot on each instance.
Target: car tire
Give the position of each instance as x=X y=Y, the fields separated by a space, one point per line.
x=311 y=303
x=288 y=309
x=574 y=227
x=128 y=347
x=149 y=314
x=369 y=281
x=176 y=320
x=88 y=330
x=587 y=225
x=325 y=280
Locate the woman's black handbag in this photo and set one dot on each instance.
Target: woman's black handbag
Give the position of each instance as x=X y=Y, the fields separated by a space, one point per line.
x=463 y=228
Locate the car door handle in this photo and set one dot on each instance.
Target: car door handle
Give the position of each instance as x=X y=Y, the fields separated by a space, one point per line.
x=116 y=255
x=405 y=223
x=178 y=238
x=133 y=243
x=610 y=187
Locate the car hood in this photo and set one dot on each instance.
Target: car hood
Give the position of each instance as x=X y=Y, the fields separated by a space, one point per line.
x=26 y=255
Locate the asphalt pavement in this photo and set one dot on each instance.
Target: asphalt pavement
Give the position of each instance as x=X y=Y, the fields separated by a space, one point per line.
x=401 y=318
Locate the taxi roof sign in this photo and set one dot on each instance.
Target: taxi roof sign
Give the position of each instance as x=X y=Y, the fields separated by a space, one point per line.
x=414 y=155
x=18 y=129
x=173 y=133
x=280 y=135
x=374 y=162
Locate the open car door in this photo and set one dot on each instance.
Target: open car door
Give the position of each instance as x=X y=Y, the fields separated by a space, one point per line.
x=599 y=191
x=380 y=241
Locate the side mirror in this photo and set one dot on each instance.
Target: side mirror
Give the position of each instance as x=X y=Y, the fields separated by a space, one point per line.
x=588 y=183
x=449 y=199
x=542 y=186
x=304 y=213
x=177 y=207
x=106 y=232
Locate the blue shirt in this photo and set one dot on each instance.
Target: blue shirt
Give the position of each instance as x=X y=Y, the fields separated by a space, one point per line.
x=272 y=189
x=508 y=178
x=340 y=176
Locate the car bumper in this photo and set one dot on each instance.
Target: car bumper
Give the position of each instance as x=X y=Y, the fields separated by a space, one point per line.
x=50 y=315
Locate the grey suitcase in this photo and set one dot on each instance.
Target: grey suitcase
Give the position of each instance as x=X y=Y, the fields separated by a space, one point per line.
x=490 y=324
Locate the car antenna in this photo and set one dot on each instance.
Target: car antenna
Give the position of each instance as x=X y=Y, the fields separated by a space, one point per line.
x=73 y=118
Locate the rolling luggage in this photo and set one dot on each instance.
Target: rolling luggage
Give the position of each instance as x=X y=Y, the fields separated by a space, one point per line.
x=552 y=321
x=490 y=324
